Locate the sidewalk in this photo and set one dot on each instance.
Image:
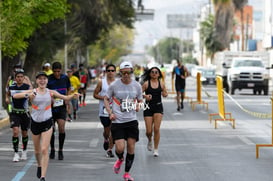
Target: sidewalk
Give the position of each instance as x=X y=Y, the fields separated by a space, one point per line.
x=4 y=119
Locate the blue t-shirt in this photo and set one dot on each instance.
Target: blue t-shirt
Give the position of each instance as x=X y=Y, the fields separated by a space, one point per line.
x=60 y=85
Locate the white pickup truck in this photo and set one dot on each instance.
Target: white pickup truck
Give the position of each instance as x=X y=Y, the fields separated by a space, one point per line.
x=247 y=76
x=248 y=73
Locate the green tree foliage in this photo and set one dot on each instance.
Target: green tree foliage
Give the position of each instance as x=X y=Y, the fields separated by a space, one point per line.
x=89 y=18
x=170 y=48
x=19 y=19
x=112 y=45
x=207 y=36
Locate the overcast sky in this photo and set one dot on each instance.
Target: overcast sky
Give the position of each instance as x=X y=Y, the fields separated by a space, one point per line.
x=149 y=31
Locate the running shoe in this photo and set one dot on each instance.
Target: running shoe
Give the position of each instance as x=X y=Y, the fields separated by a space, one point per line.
x=109 y=154
x=182 y=105
x=39 y=172
x=84 y=104
x=60 y=155
x=128 y=177
x=156 y=153
x=16 y=157
x=69 y=119
x=106 y=145
x=150 y=146
x=24 y=155
x=117 y=165
x=42 y=179
x=52 y=154
x=81 y=105
x=178 y=108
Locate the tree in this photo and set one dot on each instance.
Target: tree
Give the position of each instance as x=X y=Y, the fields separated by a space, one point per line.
x=170 y=48
x=90 y=19
x=223 y=24
x=208 y=36
x=111 y=45
x=18 y=21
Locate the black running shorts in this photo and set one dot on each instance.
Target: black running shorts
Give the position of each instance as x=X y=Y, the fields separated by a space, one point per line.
x=38 y=128
x=125 y=130
x=153 y=108
x=20 y=119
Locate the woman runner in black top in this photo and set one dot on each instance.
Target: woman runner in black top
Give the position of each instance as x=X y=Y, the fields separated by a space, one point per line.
x=153 y=87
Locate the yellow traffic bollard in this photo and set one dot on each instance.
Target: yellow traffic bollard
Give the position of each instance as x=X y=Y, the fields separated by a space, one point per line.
x=221 y=115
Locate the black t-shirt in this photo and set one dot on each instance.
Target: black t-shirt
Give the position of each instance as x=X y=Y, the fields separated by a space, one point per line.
x=19 y=103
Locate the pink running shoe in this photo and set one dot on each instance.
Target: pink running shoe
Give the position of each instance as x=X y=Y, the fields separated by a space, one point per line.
x=117 y=166
x=127 y=177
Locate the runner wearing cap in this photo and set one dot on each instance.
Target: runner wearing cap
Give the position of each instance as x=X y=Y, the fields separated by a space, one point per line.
x=19 y=115
x=47 y=69
x=41 y=119
x=126 y=94
x=11 y=80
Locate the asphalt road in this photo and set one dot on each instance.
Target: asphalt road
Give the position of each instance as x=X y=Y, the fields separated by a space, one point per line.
x=190 y=148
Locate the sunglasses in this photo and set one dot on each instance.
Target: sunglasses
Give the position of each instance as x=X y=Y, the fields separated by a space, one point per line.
x=154 y=72
x=125 y=72
x=110 y=70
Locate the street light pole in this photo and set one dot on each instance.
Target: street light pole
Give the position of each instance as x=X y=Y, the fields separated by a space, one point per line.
x=65 y=46
x=1 y=92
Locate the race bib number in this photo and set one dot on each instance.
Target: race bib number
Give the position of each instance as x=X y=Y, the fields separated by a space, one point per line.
x=127 y=105
x=82 y=85
x=58 y=102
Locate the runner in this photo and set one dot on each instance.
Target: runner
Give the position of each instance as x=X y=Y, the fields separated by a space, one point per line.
x=181 y=73
x=153 y=87
x=75 y=85
x=41 y=119
x=59 y=82
x=99 y=93
x=126 y=94
x=83 y=73
x=19 y=115
x=11 y=80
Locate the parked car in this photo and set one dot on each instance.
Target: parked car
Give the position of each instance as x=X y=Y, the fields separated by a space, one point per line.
x=208 y=76
x=196 y=69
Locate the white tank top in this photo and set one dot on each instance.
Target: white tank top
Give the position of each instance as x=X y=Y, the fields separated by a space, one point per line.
x=41 y=107
x=104 y=88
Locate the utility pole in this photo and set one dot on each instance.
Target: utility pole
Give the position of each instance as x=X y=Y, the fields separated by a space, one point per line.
x=1 y=92
x=65 y=46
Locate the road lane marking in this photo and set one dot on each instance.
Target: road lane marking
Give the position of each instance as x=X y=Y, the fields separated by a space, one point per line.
x=94 y=142
x=21 y=173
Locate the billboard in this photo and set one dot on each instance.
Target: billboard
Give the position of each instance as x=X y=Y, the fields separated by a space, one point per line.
x=181 y=21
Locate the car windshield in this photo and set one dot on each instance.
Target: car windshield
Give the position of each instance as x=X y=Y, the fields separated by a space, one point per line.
x=248 y=63
x=208 y=72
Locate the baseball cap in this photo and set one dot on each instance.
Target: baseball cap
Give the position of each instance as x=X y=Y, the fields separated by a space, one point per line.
x=47 y=65
x=41 y=74
x=124 y=65
x=19 y=71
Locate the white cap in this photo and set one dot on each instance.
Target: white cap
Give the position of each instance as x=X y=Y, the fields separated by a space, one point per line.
x=47 y=65
x=124 y=65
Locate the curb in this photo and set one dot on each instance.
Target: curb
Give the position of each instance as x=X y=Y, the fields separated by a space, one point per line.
x=4 y=122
